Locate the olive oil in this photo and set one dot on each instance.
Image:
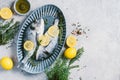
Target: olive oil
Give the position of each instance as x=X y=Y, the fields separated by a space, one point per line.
x=22 y=6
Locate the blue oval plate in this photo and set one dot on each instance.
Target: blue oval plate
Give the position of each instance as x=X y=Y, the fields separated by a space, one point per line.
x=49 y=13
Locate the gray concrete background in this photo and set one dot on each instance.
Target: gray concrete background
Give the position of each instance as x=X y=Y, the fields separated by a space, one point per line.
x=101 y=59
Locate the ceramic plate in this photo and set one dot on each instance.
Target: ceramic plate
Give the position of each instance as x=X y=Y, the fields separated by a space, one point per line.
x=49 y=13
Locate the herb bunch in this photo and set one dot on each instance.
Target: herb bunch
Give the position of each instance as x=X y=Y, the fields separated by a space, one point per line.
x=62 y=67
x=8 y=29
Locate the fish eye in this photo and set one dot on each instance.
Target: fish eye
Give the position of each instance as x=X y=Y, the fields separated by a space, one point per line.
x=31 y=27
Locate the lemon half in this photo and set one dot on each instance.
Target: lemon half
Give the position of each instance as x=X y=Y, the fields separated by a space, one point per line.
x=6 y=63
x=71 y=41
x=6 y=13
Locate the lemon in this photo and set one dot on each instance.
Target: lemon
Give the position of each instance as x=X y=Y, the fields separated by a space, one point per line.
x=6 y=63
x=71 y=41
x=44 y=40
x=53 y=31
x=6 y=13
x=70 y=53
x=28 y=45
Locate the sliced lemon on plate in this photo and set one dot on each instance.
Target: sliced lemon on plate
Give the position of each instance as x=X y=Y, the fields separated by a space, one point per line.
x=6 y=13
x=71 y=41
x=53 y=31
x=44 y=40
x=6 y=63
x=28 y=45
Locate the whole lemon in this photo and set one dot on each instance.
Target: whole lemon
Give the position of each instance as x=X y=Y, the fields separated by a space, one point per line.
x=6 y=63
x=70 y=53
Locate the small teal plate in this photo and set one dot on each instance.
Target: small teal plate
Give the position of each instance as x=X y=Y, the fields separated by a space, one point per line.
x=49 y=13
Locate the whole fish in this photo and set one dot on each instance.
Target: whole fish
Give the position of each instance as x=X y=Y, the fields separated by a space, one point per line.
x=40 y=31
x=31 y=34
x=44 y=52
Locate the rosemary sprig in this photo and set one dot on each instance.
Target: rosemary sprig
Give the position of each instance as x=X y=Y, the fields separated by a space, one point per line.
x=62 y=67
x=8 y=31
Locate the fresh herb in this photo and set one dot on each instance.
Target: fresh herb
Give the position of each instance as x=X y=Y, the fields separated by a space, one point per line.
x=8 y=31
x=79 y=30
x=79 y=53
x=62 y=67
x=61 y=26
x=46 y=21
x=60 y=35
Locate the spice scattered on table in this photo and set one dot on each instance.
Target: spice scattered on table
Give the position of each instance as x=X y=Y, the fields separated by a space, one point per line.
x=79 y=30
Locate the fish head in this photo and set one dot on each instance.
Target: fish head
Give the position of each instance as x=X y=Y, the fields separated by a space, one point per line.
x=40 y=27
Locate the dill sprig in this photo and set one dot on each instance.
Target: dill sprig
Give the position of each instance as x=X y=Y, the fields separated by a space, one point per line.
x=8 y=29
x=62 y=67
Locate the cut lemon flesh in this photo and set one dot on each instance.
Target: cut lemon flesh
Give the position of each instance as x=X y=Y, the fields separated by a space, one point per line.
x=71 y=41
x=44 y=40
x=6 y=13
x=28 y=45
x=53 y=31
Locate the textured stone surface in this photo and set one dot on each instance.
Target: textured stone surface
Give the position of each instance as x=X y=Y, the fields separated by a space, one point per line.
x=101 y=59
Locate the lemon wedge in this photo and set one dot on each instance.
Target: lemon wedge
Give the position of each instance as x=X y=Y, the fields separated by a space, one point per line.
x=71 y=41
x=28 y=45
x=6 y=13
x=53 y=31
x=44 y=40
x=6 y=63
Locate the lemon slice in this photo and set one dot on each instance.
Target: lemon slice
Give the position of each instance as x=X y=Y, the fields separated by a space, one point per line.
x=6 y=63
x=6 y=13
x=46 y=34
x=53 y=31
x=28 y=45
x=44 y=40
x=71 y=41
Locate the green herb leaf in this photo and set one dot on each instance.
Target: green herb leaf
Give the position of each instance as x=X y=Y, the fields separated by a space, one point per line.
x=59 y=72
x=76 y=66
x=8 y=31
x=79 y=53
x=61 y=69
